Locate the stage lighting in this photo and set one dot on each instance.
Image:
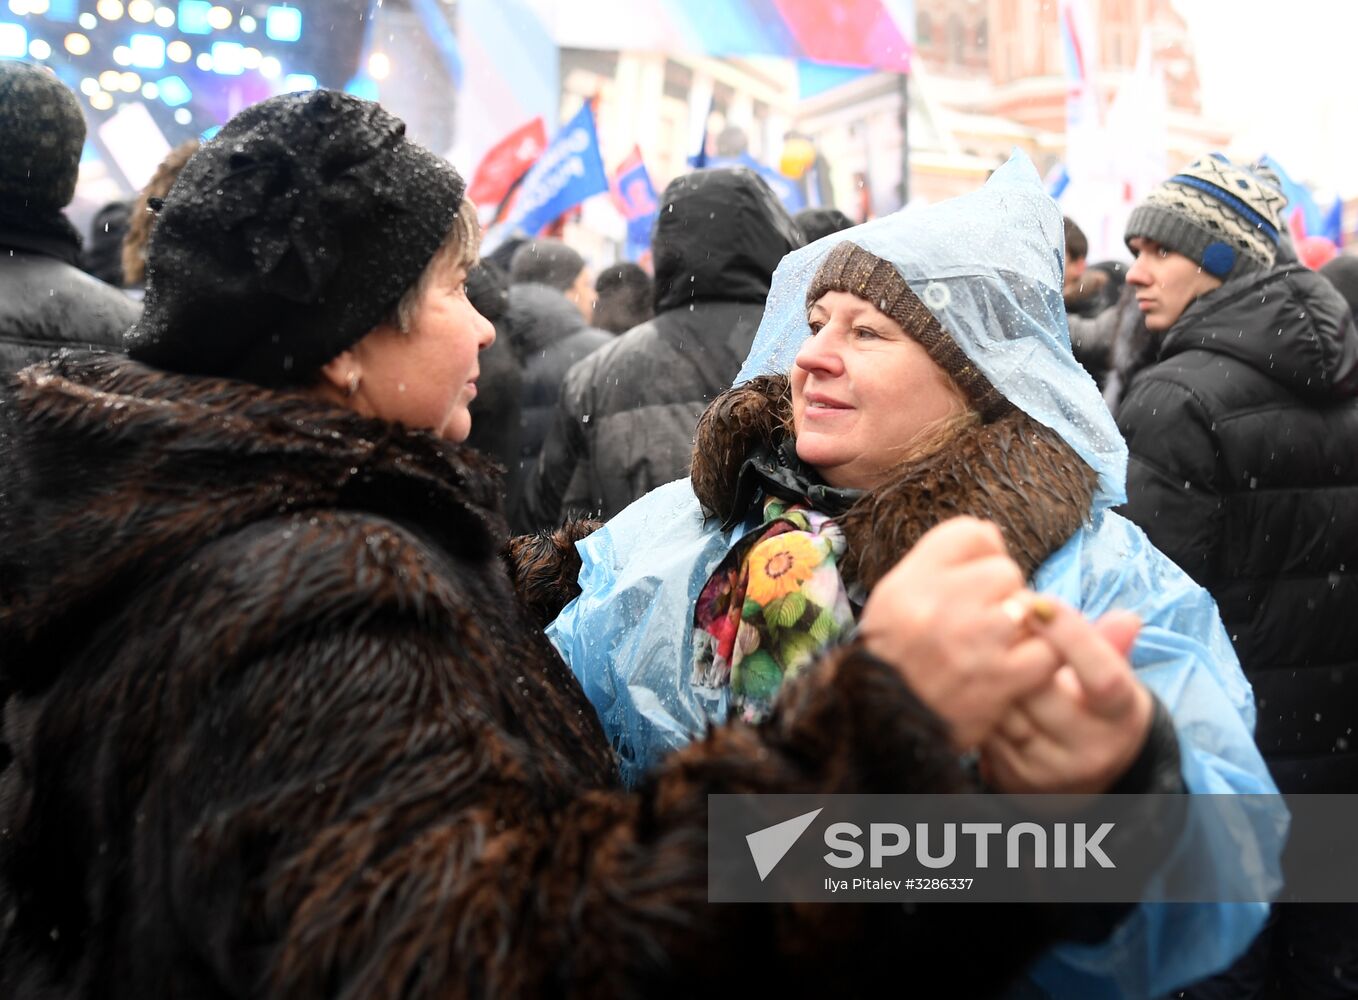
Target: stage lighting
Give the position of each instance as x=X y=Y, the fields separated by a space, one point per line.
x=77 y=44
x=219 y=18
x=174 y=91
x=101 y=101
x=109 y=10
x=183 y=116
x=270 y=68
x=150 y=91
x=193 y=17
x=111 y=79
x=89 y=86
x=148 y=51
x=248 y=24
x=294 y=82
x=228 y=58
x=141 y=10
x=130 y=82
x=283 y=24
x=379 y=66
x=13 y=40
x=252 y=57
x=179 y=51
x=64 y=11
x=88 y=21
x=39 y=49
x=165 y=17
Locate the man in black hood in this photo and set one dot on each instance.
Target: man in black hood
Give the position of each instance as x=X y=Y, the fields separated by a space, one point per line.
x=1243 y=435
x=625 y=421
x=46 y=301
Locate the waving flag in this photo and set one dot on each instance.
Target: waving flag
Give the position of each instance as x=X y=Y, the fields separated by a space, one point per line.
x=507 y=161
x=569 y=171
x=634 y=194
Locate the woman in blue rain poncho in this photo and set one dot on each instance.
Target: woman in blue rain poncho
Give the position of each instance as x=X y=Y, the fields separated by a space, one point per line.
x=907 y=371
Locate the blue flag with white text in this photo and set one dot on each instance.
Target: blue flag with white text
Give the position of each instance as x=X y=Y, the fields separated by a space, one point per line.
x=569 y=170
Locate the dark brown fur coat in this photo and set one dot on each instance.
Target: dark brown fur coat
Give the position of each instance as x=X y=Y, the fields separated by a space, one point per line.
x=1013 y=471
x=279 y=728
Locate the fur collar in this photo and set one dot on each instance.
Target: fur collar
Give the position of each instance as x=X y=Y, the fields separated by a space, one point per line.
x=113 y=472
x=1013 y=471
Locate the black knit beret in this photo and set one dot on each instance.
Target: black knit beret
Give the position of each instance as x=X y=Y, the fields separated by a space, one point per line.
x=850 y=268
x=288 y=237
x=42 y=132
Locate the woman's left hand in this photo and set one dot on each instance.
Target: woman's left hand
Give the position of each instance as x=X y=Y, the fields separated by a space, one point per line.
x=1081 y=731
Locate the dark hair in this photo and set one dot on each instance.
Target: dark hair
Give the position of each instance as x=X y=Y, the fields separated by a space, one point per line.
x=817 y=222
x=546 y=262
x=103 y=255
x=1077 y=246
x=625 y=297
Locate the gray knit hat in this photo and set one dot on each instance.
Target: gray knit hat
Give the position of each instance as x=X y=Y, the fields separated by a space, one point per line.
x=1224 y=217
x=850 y=268
x=42 y=133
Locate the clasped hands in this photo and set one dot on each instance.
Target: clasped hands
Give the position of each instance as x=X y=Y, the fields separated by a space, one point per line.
x=1047 y=696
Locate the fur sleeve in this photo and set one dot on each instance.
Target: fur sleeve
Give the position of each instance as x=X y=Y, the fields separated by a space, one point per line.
x=381 y=809
x=544 y=567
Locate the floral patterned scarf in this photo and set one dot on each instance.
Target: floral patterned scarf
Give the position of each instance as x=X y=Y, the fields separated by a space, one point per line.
x=771 y=606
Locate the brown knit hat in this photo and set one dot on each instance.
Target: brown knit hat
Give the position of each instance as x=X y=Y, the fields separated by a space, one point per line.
x=850 y=268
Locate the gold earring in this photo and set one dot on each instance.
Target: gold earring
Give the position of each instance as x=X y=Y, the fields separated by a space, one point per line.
x=353 y=381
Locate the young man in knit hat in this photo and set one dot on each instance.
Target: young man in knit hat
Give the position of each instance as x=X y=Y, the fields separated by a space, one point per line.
x=1244 y=469
x=46 y=301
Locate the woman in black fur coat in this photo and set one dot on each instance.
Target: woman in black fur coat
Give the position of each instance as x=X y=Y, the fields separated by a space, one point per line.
x=276 y=724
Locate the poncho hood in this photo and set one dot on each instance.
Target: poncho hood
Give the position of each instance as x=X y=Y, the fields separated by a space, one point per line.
x=989 y=266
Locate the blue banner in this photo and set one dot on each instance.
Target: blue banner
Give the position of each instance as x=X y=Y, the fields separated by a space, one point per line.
x=569 y=171
x=636 y=200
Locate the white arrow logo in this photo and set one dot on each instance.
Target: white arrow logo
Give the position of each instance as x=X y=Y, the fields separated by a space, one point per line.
x=769 y=845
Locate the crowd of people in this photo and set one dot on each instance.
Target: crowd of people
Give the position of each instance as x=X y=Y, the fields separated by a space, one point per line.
x=377 y=617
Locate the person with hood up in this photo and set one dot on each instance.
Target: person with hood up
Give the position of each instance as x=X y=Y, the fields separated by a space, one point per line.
x=277 y=725
x=1243 y=434
x=548 y=335
x=907 y=371
x=47 y=302
x=627 y=413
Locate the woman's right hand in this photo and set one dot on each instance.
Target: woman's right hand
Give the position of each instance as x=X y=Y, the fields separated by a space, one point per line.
x=940 y=617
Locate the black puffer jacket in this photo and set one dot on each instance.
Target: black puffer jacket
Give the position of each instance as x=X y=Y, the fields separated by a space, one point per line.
x=549 y=335
x=281 y=729
x=1244 y=470
x=627 y=414
x=47 y=303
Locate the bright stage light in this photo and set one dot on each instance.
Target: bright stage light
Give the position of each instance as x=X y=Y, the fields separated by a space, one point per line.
x=183 y=116
x=130 y=82
x=270 y=68
x=109 y=10
x=228 y=58
x=179 y=51
x=252 y=57
x=204 y=62
x=248 y=24
x=88 y=21
x=122 y=55
x=165 y=17
x=219 y=18
x=193 y=17
x=111 y=79
x=148 y=51
x=141 y=10
x=77 y=44
x=13 y=40
x=101 y=101
x=150 y=91
x=174 y=91
x=294 y=82
x=283 y=24
x=379 y=66
x=39 y=49
x=19 y=8
x=89 y=86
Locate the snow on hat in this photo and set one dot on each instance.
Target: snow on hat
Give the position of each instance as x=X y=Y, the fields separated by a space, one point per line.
x=288 y=237
x=1224 y=217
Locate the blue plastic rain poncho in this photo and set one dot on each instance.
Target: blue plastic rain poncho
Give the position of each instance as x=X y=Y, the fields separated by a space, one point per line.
x=988 y=265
